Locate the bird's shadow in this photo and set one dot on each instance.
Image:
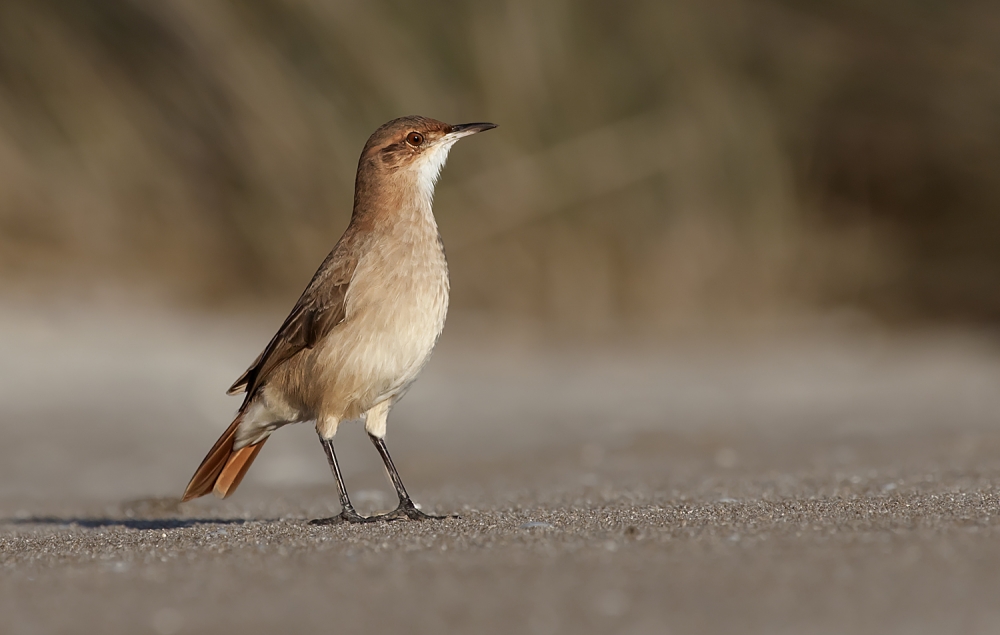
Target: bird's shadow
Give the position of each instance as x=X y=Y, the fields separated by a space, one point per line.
x=130 y=523
x=151 y=513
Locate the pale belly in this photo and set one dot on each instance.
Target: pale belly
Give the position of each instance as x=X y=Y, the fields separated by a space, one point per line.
x=393 y=321
x=378 y=354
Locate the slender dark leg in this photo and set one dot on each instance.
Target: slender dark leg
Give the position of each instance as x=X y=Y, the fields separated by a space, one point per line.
x=347 y=513
x=406 y=507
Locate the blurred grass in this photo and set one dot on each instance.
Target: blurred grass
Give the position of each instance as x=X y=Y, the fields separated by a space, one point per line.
x=657 y=162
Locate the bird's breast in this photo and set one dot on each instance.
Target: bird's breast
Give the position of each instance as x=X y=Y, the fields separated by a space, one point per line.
x=401 y=287
x=395 y=311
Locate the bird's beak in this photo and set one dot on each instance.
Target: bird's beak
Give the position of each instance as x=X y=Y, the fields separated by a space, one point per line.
x=465 y=129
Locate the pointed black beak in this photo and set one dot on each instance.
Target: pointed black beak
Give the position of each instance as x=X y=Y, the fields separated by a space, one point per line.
x=465 y=129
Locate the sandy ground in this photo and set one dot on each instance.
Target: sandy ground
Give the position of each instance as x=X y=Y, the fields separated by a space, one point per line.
x=818 y=482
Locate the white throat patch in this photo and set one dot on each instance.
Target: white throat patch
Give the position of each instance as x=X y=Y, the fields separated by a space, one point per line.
x=429 y=167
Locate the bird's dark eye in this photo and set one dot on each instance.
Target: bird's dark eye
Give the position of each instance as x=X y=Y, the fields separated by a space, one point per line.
x=414 y=138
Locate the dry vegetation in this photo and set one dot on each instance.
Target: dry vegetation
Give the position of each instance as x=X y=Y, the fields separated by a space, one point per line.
x=663 y=163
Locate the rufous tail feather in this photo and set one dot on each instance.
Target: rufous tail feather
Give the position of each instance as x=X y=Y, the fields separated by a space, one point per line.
x=223 y=469
x=236 y=467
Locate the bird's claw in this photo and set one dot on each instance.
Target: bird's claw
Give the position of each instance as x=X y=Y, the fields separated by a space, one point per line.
x=408 y=511
x=348 y=515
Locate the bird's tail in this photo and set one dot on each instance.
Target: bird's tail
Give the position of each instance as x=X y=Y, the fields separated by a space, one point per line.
x=223 y=468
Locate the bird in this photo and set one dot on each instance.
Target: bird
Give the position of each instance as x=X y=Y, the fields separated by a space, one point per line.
x=365 y=325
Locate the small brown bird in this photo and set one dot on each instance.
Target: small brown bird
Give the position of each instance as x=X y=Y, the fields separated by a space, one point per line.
x=365 y=325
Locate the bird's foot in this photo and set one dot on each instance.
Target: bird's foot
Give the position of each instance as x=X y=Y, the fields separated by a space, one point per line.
x=348 y=515
x=408 y=511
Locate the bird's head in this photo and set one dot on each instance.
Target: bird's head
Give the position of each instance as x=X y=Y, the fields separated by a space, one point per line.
x=413 y=149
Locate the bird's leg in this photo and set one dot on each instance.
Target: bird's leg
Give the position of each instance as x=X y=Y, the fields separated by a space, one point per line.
x=347 y=513
x=406 y=507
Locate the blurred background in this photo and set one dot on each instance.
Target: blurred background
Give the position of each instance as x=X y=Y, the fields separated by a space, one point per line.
x=657 y=165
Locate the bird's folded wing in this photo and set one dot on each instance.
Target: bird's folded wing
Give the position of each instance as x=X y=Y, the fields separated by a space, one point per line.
x=319 y=309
